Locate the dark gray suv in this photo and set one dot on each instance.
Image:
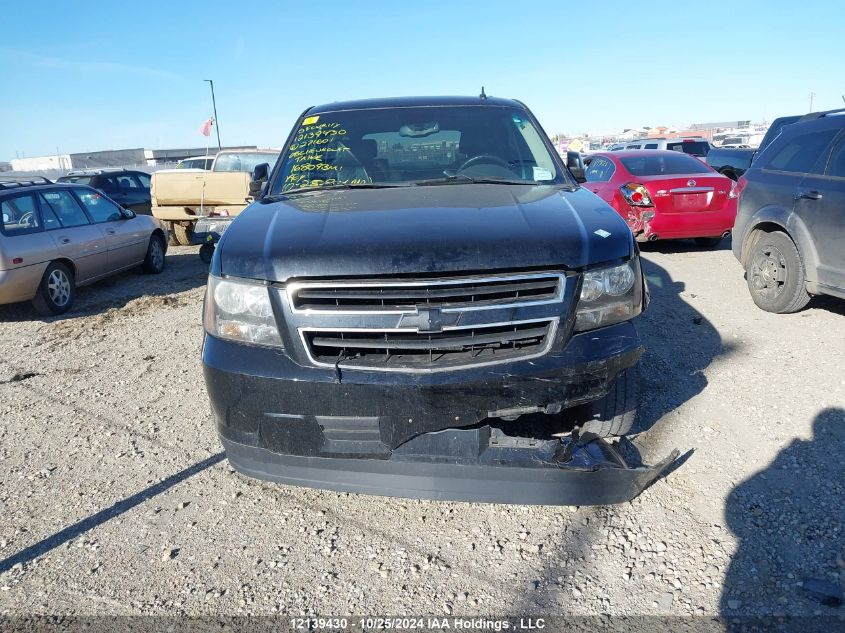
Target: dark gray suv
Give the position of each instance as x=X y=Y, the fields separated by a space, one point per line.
x=790 y=226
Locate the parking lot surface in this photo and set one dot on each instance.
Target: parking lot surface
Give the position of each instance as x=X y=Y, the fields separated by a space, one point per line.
x=116 y=498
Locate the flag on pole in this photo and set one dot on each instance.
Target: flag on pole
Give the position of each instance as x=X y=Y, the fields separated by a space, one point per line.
x=205 y=128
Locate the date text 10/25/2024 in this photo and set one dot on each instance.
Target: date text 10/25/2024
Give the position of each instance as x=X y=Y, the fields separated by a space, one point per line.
x=416 y=623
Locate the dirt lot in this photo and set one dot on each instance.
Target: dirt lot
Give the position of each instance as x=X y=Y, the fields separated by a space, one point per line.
x=115 y=497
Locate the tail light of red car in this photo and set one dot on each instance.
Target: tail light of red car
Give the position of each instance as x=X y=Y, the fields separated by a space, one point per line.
x=636 y=195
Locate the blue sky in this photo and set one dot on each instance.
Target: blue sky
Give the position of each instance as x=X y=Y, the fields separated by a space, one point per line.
x=104 y=75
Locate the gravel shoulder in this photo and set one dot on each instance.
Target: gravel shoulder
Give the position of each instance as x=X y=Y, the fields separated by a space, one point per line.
x=115 y=497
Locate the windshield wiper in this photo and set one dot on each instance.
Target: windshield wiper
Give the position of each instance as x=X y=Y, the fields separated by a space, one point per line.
x=460 y=179
x=360 y=185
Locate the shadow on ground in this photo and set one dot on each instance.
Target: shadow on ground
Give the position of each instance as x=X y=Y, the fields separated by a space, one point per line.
x=680 y=344
x=682 y=246
x=789 y=520
x=95 y=520
x=183 y=271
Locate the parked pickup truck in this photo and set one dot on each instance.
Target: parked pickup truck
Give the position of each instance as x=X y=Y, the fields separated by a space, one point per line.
x=734 y=161
x=181 y=197
x=423 y=302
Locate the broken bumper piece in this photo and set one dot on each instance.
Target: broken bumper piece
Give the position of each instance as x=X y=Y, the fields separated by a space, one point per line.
x=478 y=465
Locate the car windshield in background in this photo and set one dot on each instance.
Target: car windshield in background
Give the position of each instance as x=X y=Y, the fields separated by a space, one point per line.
x=696 y=148
x=243 y=162
x=409 y=145
x=663 y=165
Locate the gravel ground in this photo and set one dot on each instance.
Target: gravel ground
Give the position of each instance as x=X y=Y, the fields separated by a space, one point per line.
x=115 y=497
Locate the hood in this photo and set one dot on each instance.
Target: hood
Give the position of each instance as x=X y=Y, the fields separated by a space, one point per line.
x=419 y=230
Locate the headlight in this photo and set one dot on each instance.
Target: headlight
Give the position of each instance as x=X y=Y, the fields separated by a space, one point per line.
x=609 y=295
x=240 y=311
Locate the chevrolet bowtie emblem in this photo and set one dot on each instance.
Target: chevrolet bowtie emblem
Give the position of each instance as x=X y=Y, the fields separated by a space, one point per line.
x=428 y=320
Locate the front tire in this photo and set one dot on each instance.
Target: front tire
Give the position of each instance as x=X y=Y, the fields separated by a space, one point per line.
x=614 y=414
x=775 y=274
x=56 y=292
x=154 y=261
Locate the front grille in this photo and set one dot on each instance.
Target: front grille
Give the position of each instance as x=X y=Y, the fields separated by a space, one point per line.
x=398 y=296
x=402 y=349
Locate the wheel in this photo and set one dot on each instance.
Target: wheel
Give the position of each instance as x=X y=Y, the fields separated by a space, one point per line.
x=154 y=261
x=183 y=233
x=206 y=253
x=56 y=291
x=775 y=274
x=708 y=242
x=171 y=235
x=615 y=413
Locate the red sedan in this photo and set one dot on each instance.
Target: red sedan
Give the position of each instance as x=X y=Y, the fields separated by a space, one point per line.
x=665 y=195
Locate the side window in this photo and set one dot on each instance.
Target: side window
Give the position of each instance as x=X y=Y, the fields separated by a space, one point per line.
x=836 y=166
x=19 y=215
x=145 y=180
x=49 y=217
x=650 y=146
x=107 y=185
x=600 y=170
x=801 y=152
x=65 y=207
x=99 y=208
x=128 y=183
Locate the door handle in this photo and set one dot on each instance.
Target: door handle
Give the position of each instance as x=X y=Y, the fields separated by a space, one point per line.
x=65 y=240
x=111 y=231
x=810 y=195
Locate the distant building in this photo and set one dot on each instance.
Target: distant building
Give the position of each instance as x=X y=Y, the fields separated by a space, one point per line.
x=113 y=158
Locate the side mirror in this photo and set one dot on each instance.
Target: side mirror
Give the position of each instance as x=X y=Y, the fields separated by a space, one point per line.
x=260 y=174
x=127 y=214
x=575 y=164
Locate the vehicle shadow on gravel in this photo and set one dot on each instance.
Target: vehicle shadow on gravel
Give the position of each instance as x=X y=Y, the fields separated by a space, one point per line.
x=183 y=271
x=789 y=520
x=680 y=344
x=89 y=523
x=682 y=246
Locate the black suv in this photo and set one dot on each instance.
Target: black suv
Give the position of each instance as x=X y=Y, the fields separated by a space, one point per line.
x=130 y=189
x=790 y=226
x=420 y=282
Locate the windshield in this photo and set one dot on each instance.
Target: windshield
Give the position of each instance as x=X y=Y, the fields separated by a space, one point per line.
x=244 y=162
x=396 y=146
x=663 y=165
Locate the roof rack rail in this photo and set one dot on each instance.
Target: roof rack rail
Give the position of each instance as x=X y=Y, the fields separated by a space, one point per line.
x=11 y=182
x=818 y=115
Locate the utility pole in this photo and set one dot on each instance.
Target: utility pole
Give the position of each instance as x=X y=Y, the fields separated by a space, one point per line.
x=812 y=94
x=217 y=123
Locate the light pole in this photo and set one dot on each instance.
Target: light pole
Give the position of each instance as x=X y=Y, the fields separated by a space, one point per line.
x=216 y=121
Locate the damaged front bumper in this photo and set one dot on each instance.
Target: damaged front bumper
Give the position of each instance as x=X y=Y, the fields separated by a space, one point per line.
x=467 y=465
x=424 y=436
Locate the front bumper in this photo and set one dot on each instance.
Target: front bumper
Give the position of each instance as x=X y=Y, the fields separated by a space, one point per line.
x=406 y=434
